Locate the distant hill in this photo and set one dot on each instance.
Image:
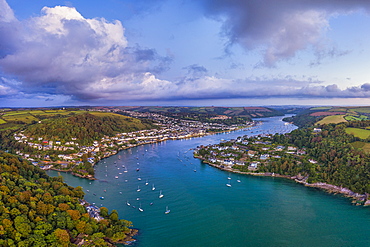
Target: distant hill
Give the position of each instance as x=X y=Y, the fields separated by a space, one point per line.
x=246 y=112
x=330 y=114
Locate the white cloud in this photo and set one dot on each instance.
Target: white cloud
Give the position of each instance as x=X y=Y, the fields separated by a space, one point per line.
x=61 y=52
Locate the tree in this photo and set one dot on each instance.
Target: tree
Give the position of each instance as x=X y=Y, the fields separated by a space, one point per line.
x=104 y=212
x=22 y=225
x=114 y=216
x=62 y=237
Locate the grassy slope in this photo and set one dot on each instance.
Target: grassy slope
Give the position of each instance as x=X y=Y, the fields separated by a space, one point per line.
x=360 y=133
x=332 y=119
x=362 y=145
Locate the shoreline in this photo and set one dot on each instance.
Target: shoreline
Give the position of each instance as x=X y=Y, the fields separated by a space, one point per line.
x=91 y=177
x=129 y=235
x=358 y=199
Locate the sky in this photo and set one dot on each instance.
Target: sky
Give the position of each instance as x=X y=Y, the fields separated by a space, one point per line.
x=184 y=52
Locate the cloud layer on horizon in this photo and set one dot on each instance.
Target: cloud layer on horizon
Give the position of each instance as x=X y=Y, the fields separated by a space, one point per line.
x=89 y=60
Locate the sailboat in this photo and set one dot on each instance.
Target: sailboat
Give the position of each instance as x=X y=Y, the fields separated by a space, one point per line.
x=167 y=210
x=125 y=170
x=228 y=183
x=160 y=194
x=128 y=204
x=138 y=189
x=140 y=209
x=146 y=183
x=229 y=176
x=153 y=188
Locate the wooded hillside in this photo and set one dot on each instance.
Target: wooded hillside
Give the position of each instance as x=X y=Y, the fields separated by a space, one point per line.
x=37 y=210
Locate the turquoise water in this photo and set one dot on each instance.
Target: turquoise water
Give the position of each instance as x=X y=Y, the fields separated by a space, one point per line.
x=205 y=212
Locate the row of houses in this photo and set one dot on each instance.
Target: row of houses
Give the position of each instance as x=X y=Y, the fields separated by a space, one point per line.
x=246 y=151
x=71 y=152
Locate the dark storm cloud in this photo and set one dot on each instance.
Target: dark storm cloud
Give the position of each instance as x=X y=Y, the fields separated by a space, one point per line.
x=279 y=27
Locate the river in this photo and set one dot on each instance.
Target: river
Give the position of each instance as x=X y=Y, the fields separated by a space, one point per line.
x=257 y=211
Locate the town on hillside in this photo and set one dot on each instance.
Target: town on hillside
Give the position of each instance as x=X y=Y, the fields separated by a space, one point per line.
x=69 y=155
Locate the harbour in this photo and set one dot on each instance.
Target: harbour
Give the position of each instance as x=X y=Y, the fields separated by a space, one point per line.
x=253 y=211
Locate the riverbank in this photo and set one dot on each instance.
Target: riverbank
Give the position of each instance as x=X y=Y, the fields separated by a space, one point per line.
x=140 y=143
x=358 y=199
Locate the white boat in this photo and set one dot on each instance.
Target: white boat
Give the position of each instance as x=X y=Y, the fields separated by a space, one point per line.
x=140 y=209
x=116 y=177
x=153 y=188
x=128 y=204
x=160 y=194
x=167 y=210
x=125 y=170
x=229 y=176
x=228 y=183
x=146 y=183
x=139 y=178
x=138 y=189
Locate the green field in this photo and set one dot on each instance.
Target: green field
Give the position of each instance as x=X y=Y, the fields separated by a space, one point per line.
x=356 y=118
x=361 y=109
x=13 y=113
x=362 y=145
x=321 y=108
x=339 y=109
x=332 y=119
x=28 y=116
x=104 y=114
x=25 y=117
x=360 y=133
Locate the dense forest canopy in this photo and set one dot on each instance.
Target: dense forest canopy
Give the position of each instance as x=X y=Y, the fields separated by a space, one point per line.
x=37 y=210
x=86 y=128
x=338 y=162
